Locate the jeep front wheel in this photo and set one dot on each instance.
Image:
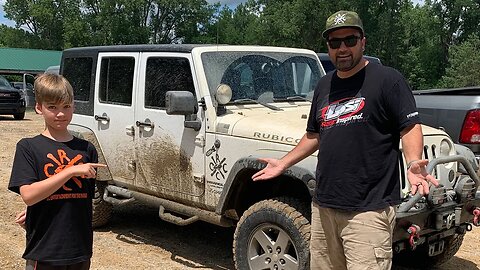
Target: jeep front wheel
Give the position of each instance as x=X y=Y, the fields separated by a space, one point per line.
x=272 y=234
x=102 y=210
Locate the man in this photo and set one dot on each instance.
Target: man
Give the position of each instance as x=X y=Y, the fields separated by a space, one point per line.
x=359 y=114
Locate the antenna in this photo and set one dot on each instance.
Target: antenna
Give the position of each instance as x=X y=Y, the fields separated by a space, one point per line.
x=218 y=26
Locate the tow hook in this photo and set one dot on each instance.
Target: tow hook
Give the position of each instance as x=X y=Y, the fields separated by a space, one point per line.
x=476 y=216
x=413 y=230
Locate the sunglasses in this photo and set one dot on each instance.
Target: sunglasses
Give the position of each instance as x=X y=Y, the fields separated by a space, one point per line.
x=349 y=41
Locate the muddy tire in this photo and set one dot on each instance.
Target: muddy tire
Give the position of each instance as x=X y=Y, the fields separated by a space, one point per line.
x=273 y=234
x=102 y=210
x=419 y=259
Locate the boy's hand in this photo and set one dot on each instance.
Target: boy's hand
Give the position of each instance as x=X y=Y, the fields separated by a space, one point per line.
x=21 y=217
x=87 y=170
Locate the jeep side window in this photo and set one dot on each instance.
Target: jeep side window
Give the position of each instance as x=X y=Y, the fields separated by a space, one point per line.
x=166 y=74
x=116 y=80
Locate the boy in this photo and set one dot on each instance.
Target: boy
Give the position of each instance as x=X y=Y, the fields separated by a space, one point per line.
x=55 y=172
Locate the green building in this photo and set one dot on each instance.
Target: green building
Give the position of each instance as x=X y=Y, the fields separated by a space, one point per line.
x=17 y=61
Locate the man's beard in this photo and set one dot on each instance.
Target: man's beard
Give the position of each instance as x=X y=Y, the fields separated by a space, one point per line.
x=346 y=64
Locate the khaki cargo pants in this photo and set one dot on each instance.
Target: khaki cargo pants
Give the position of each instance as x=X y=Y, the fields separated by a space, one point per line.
x=351 y=240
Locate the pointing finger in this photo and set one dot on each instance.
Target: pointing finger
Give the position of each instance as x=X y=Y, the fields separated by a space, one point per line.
x=98 y=165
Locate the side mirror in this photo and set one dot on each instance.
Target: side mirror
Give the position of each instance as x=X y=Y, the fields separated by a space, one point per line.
x=180 y=103
x=183 y=103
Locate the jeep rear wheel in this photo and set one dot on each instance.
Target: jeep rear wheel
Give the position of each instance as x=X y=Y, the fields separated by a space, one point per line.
x=102 y=210
x=272 y=234
x=419 y=258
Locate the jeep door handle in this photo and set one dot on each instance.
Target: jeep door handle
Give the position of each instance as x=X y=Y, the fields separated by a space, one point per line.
x=145 y=124
x=102 y=118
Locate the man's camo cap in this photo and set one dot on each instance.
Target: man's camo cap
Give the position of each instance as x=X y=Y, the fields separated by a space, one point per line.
x=342 y=19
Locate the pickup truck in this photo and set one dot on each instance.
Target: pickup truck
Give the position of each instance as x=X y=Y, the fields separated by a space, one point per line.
x=181 y=128
x=455 y=110
x=12 y=100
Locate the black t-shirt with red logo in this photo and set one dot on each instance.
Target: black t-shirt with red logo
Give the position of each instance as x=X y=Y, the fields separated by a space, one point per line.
x=59 y=228
x=359 y=120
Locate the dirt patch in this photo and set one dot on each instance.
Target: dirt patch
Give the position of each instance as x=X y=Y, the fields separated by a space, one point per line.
x=136 y=238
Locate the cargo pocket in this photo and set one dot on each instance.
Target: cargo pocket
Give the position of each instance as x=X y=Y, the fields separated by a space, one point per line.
x=384 y=258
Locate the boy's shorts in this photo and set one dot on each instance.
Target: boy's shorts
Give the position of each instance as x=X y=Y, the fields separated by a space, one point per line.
x=36 y=265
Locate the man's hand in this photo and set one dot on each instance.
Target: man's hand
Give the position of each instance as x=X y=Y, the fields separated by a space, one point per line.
x=419 y=178
x=273 y=169
x=21 y=217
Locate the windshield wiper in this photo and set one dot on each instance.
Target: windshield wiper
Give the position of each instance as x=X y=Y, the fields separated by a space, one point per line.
x=292 y=98
x=244 y=100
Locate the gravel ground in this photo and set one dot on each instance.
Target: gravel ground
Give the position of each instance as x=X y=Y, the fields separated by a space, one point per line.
x=136 y=238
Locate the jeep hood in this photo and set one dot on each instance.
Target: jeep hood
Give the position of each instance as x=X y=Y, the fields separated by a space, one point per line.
x=286 y=126
x=430 y=131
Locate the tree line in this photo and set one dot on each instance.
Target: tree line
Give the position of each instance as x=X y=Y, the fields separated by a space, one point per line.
x=436 y=44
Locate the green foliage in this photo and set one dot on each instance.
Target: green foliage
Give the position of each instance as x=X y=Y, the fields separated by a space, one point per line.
x=422 y=52
x=17 y=38
x=464 y=65
x=43 y=18
x=416 y=39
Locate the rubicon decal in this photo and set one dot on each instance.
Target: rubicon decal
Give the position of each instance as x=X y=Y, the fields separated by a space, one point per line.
x=342 y=111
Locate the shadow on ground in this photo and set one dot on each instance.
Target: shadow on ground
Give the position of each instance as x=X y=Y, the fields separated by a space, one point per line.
x=198 y=245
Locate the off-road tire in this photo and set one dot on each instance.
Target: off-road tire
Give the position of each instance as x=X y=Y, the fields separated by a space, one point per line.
x=102 y=210
x=19 y=116
x=273 y=218
x=419 y=258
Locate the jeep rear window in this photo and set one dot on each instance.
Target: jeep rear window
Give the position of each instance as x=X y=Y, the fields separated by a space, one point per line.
x=78 y=72
x=166 y=74
x=116 y=80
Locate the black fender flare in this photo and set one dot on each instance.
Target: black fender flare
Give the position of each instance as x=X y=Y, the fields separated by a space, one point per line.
x=303 y=174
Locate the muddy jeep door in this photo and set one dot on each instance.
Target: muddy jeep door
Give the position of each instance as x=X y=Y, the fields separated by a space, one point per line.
x=169 y=156
x=114 y=112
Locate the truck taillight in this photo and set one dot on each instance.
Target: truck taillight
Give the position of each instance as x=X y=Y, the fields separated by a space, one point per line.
x=471 y=128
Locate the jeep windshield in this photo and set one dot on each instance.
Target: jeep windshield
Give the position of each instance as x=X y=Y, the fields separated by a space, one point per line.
x=256 y=75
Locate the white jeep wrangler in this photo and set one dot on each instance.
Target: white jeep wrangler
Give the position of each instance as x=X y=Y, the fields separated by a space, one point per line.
x=181 y=126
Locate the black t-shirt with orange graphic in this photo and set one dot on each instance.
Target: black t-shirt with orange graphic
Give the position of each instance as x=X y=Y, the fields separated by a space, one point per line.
x=59 y=228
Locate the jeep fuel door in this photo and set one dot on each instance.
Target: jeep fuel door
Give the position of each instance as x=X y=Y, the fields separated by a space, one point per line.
x=114 y=112
x=169 y=155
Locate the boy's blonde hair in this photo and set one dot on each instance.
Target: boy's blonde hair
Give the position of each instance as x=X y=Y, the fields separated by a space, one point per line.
x=53 y=88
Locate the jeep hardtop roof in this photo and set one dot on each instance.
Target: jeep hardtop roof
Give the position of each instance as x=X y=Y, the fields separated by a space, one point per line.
x=135 y=48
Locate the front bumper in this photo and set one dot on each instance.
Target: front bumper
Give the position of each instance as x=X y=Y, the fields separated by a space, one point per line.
x=12 y=108
x=435 y=220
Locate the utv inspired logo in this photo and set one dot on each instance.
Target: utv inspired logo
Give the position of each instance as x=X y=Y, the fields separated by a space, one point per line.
x=342 y=111
x=339 y=18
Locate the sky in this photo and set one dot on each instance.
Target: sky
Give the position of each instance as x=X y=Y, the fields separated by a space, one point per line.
x=231 y=3
x=3 y=20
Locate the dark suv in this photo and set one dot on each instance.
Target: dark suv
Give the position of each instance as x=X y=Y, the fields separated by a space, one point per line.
x=12 y=100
